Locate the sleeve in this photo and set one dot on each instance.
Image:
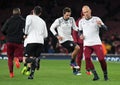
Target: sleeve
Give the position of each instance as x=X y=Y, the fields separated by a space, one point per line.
x=74 y=25
x=45 y=32
x=103 y=26
x=77 y=21
x=80 y=26
x=75 y=35
x=27 y=24
x=100 y=20
x=54 y=26
x=5 y=27
x=23 y=25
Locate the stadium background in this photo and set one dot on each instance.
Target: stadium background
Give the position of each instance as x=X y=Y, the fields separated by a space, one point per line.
x=107 y=10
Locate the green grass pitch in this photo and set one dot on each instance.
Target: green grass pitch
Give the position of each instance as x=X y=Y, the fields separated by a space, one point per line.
x=58 y=72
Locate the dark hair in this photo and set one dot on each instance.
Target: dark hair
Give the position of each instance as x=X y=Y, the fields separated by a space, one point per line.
x=37 y=10
x=66 y=9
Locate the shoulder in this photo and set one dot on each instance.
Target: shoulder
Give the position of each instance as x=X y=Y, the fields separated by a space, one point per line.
x=71 y=18
x=43 y=21
x=95 y=17
x=60 y=19
x=9 y=19
x=23 y=19
x=81 y=20
x=29 y=16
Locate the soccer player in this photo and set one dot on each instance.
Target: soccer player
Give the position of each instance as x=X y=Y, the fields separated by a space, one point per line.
x=64 y=26
x=13 y=30
x=35 y=31
x=89 y=27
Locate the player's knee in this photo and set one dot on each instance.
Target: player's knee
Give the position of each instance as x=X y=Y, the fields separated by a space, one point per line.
x=101 y=59
x=28 y=60
x=77 y=47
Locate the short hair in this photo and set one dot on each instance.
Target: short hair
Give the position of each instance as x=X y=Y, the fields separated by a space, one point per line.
x=16 y=11
x=37 y=10
x=66 y=9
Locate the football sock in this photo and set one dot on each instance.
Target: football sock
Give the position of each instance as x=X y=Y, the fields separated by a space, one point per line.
x=95 y=75
x=105 y=75
x=94 y=72
x=33 y=66
x=72 y=60
x=25 y=64
x=105 y=72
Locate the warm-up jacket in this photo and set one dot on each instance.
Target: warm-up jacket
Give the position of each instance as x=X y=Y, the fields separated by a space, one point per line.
x=13 y=29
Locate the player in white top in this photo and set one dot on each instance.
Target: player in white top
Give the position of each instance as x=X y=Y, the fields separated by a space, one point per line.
x=35 y=31
x=89 y=27
x=64 y=26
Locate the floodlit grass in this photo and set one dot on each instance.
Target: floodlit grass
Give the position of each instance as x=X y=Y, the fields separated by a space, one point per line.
x=58 y=72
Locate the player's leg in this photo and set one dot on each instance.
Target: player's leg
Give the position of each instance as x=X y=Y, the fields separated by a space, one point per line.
x=28 y=59
x=26 y=69
x=73 y=60
x=74 y=48
x=89 y=65
x=10 y=54
x=37 y=55
x=75 y=53
x=36 y=61
x=79 y=57
x=32 y=61
x=18 y=54
x=101 y=58
x=36 y=50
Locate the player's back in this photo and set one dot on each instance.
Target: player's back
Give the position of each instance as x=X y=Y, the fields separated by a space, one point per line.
x=37 y=29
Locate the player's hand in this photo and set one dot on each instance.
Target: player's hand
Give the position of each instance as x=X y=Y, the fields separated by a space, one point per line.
x=99 y=23
x=59 y=38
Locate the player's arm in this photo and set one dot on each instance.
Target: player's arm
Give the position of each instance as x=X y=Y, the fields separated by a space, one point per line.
x=27 y=24
x=4 y=27
x=104 y=27
x=23 y=26
x=75 y=36
x=101 y=24
x=74 y=24
x=55 y=24
x=80 y=30
x=45 y=31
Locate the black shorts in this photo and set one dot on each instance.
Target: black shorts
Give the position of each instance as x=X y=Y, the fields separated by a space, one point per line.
x=69 y=45
x=33 y=49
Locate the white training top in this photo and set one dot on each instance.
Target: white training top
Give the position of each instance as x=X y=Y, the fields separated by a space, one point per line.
x=36 y=30
x=64 y=28
x=90 y=31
